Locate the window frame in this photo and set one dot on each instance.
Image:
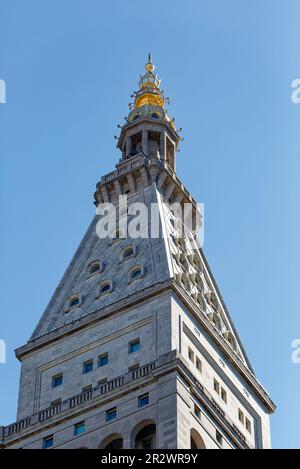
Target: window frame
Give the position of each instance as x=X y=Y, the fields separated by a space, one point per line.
x=86 y=364
x=49 y=438
x=77 y=428
x=101 y=357
x=216 y=386
x=55 y=377
x=132 y=343
x=111 y=414
x=143 y=397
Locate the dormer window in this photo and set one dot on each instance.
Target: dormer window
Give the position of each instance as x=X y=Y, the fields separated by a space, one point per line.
x=94 y=268
x=74 y=301
x=105 y=287
x=128 y=252
x=136 y=273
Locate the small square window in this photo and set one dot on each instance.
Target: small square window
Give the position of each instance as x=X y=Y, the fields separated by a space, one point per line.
x=198 y=365
x=88 y=366
x=216 y=386
x=197 y=411
x=248 y=425
x=219 y=438
x=79 y=428
x=191 y=355
x=134 y=346
x=241 y=416
x=224 y=395
x=103 y=360
x=111 y=414
x=57 y=380
x=143 y=400
x=48 y=442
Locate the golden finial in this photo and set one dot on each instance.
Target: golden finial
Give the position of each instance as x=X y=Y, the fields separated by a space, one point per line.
x=149 y=65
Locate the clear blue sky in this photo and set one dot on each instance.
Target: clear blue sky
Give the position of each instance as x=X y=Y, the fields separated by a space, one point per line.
x=70 y=67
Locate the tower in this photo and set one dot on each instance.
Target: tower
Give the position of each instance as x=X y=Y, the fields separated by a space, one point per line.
x=136 y=347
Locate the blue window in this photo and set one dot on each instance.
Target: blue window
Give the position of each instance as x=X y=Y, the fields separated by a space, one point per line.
x=134 y=346
x=143 y=400
x=79 y=428
x=95 y=267
x=74 y=302
x=103 y=359
x=105 y=288
x=111 y=414
x=57 y=380
x=135 y=274
x=48 y=442
x=88 y=366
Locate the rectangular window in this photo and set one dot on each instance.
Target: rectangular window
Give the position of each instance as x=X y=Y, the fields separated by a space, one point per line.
x=197 y=411
x=134 y=346
x=48 y=442
x=79 y=428
x=191 y=355
x=216 y=386
x=87 y=366
x=224 y=395
x=198 y=365
x=219 y=438
x=57 y=380
x=103 y=359
x=248 y=425
x=143 y=400
x=111 y=414
x=241 y=416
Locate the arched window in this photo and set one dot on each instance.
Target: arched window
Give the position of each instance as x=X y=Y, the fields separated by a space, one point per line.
x=128 y=252
x=196 y=440
x=94 y=267
x=136 y=273
x=155 y=115
x=146 y=437
x=74 y=300
x=114 y=441
x=105 y=287
x=115 y=444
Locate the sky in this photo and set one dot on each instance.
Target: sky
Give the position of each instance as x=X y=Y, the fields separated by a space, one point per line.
x=70 y=67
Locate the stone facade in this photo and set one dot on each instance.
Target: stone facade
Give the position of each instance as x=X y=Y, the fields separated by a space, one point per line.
x=152 y=361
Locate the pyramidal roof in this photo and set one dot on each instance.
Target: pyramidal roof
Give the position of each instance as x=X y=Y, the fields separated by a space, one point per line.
x=103 y=272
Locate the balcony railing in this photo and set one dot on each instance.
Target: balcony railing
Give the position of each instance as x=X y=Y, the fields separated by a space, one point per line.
x=102 y=389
